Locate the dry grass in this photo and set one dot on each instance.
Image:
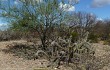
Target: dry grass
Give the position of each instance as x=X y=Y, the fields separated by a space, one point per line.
x=10 y=62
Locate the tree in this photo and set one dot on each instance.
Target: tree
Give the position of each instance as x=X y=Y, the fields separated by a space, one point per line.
x=80 y=23
x=36 y=15
x=103 y=29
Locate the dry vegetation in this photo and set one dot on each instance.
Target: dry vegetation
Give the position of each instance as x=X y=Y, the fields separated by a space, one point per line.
x=60 y=53
x=14 y=60
x=42 y=36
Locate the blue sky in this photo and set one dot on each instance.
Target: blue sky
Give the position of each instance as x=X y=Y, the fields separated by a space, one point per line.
x=101 y=8
x=102 y=12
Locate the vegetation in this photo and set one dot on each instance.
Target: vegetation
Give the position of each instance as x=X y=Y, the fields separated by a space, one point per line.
x=64 y=36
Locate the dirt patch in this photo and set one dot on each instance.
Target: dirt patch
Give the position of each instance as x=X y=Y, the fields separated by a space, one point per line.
x=10 y=62
x=13 y=60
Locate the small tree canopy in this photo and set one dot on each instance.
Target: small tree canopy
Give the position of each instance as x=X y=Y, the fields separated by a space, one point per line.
x=37 y=15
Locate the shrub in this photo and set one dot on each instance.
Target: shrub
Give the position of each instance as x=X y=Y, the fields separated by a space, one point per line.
x=107 y=42
x=93 y=38
x=74 y=36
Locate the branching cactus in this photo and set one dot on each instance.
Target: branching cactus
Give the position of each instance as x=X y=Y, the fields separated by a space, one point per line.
x=65 y=50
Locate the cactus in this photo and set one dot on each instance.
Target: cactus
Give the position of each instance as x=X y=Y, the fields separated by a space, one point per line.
x=73 y=52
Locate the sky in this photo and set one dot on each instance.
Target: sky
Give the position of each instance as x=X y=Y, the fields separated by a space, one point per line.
x=101 y=8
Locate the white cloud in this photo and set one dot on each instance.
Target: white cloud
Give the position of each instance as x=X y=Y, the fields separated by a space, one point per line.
x=73 y=1
x=66 y=7
x=34 y=1
x=39 y=1
x=100 y=3
x=3 y=26
x=16 y=2
x=99 y=19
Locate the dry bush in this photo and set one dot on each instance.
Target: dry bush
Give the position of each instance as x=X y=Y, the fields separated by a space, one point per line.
x=22 y=50
x=64 y=50
x=79 y=54
x=10 y=35
x=81 y=60
x=17 y=35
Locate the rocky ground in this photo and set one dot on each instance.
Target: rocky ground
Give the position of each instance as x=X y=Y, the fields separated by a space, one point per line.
x=10 y=62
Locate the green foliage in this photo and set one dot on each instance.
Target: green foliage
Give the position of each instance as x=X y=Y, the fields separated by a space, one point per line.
x=93 y=38
x=74 y=36
x=36 y=15
x=41 y=17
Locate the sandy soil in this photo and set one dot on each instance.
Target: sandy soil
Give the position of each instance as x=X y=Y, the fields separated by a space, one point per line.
x=103 y=52
x=10 y=62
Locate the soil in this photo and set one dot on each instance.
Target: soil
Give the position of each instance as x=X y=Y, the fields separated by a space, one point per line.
x=10 y=62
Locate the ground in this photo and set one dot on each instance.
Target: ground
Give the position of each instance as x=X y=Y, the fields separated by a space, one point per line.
x=10 y=62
